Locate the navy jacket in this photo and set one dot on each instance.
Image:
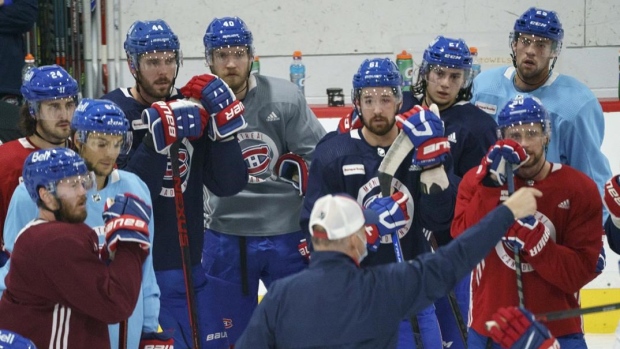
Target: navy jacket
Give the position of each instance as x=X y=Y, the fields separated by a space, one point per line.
x=336 y=304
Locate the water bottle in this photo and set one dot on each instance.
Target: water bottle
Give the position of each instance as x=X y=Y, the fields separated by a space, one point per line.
x=404 y=61
x=298 y=72
x=28 y=64
x=255 y=66
x=475 y=66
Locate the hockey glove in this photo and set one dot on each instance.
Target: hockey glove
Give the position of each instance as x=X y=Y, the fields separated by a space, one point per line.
x=517 y=329
x=392 y=212
x=150 y=340
x=126 y=219
x=426 y=132
x=291 y=168
x=303 y=249
x=611 y=199
x=494 y=163
x=4 y=256
x=220 y=102
x=169 y=121
x=349 y=122
x=529 y=235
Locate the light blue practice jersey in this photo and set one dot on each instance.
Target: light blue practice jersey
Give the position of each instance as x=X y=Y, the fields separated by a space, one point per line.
x=577 y=121
x=22 y=210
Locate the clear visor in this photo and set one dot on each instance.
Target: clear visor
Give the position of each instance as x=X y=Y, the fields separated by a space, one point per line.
x=520 y=133
x=112 y=143
x=225 y=54
x=55 y=109
x=72 y=186
x=453 y=77
x=543 y=47
x=160 y=60
x=386 y=98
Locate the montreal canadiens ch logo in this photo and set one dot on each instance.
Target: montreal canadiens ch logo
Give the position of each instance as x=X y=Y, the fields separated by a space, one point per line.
x=257 y=159
x=185 y=154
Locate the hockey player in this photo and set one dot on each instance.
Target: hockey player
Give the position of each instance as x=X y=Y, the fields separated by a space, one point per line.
x=211 y=159
x=353 y=307
x=59 y=292
x=348 y=163
x=101 y=133
x=576 y=115
x=559 y=245
x=51 y=96
x=245 y=242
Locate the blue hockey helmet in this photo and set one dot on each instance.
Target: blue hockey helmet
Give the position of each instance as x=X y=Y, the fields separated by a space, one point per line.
x=449 y=53
x=150 y=36
x=523 y=110
x=103 y=117
x=46 y=167
x=48 y=82
x=377 y=72
x=227 y=32
x=542 y=23
x=12 y=340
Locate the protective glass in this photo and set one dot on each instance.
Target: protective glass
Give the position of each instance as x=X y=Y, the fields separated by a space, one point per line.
x=159 y=60
x=520 y=133
x=72 y=186
x=225 y=54
x=115 y=143
x=55 y=109
x=543 y=47
x=383 y=98
x=452 y=77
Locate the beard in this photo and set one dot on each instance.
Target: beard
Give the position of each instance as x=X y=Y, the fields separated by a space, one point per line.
x=152 y=91
x=67 y=214
x=51 y=134
x=379 y=130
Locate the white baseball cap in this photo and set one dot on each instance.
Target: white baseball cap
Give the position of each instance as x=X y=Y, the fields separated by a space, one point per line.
x=340 y=215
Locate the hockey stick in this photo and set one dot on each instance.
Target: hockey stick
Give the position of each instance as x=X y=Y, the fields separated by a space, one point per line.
x=184 y=243
x=565 y=314
x=103 y=53
x=396 y=154
x=122 y=335
x=515 y=247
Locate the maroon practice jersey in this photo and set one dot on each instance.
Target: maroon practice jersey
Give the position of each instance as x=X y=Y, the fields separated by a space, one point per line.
x=60 y=294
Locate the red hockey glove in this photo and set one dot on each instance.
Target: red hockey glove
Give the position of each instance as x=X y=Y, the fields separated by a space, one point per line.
x=153 y=340
x=303 y=249
x=494 y=163
x=292 y=168
x=517 y=329
x=349 y=122
x=126 y=219
x=426 y=131
x=611 y=199
x=220 y=101
x=169 y=121
x=529 y=235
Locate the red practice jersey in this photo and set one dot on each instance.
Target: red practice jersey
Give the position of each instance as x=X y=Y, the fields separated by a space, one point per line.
x=572 y=210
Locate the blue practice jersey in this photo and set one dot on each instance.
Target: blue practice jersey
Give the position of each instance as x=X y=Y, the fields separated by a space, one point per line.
x=218 y=165
x=22 y=210
x=577 y=121
x=346 y=163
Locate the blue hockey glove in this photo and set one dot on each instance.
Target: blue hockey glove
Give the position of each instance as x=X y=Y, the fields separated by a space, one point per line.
x=426 y=132
x=494 y=163
x=126 y=219
x=292 y=168
x=151 y=340
x=392 y=212
x=169 y=121
x=516 y=329
x=529 y=235
x=220 y=102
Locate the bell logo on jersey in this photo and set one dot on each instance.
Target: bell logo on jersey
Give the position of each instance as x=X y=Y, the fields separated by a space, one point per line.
x=7 y=338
